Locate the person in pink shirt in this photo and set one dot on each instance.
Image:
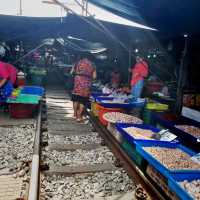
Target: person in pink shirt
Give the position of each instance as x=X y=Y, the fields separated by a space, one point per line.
x=12 y=73
x=4 y=74
x=8 y=74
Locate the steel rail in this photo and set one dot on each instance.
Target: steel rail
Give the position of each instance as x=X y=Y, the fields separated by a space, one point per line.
x=34 y=181
x=134 y=172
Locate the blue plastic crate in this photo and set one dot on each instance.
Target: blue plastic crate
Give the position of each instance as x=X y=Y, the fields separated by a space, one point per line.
x=96 y=94
x=102 y=98
x=161 y=168
x=93 y=96
x=33 y=90
x=122 y=105
x=179 y=177
x=120 y=127
x=182 y=135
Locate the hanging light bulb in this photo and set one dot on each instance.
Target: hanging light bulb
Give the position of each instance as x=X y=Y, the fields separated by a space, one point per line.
x=136 y=50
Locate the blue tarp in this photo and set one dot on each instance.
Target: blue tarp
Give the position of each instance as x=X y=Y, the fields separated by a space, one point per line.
x=30 y=28
x=171 y=18
x=175 y=17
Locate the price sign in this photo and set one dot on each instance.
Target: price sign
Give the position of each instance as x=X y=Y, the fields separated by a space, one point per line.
x=167 y=136
x=196 y=158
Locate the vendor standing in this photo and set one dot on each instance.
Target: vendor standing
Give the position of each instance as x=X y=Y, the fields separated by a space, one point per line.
x=8 y=75
x=115 y=79
x=84 y=72
x=139 y=72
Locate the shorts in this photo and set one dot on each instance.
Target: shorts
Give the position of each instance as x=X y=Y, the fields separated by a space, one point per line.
x=80 y=99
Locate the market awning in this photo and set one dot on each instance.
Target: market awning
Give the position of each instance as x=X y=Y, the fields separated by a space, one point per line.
x=30 y=28
x=175 y=17
x=41 y=8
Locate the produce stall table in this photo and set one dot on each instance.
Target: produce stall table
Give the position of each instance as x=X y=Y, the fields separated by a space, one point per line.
x=165 y=100
x=179 y=167
x=24 y=101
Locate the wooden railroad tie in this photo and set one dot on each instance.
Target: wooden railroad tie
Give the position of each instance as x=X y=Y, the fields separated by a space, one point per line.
x=70 y=170
x=73 y=147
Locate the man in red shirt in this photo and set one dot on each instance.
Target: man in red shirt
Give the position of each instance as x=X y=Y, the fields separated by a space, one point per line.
x=139 y=72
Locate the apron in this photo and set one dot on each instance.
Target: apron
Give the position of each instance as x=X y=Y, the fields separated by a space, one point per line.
x=6 y=91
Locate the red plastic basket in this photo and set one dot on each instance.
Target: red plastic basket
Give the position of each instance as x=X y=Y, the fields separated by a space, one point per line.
x=20 y=82
x=103 y=110
x=21 y=111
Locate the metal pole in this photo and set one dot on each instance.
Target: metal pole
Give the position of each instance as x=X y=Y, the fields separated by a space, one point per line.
x=82 y=7
x=20 y=7
x=129 y=64
x=181 y=74
x=86 y=8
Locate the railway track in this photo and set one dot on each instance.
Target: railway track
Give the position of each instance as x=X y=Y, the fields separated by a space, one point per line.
x=78 y=161
x=86 y=157
x=75 y=154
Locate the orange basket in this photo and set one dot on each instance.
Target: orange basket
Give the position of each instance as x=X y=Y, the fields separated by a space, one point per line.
x=97 y=108
x=102 y=110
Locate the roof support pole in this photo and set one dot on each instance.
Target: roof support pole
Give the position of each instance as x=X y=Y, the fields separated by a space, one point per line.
x=129 y=63
x=181 y=77
x=20 y=7
x=86 y=11
x=83 y=4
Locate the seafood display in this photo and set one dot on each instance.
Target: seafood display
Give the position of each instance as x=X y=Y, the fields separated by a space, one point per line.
x=115 y=117
x=173 y=159
x=192 y=130
x=139 y=133
x=193 y=188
